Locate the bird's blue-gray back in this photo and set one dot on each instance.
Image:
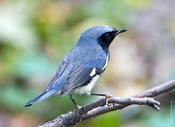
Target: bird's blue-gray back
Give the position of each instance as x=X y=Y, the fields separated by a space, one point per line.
x=76 y=67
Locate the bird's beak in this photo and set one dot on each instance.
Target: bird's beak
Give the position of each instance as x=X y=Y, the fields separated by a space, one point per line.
x=119 y=31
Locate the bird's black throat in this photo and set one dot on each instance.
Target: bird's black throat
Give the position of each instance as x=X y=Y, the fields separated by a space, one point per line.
x=106 y=39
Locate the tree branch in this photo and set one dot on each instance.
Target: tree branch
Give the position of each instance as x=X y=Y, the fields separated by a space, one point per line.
x=116 y=103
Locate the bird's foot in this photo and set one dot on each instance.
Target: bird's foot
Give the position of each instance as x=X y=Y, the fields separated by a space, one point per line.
x=107 y=99
x=78 y=107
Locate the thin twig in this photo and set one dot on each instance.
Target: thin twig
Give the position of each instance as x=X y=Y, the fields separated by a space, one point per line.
x=99 y=107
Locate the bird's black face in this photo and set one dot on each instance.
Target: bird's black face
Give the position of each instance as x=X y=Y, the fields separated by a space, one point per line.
x=105 y=39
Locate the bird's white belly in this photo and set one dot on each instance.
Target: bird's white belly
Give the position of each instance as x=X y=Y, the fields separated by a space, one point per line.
x=87 y=88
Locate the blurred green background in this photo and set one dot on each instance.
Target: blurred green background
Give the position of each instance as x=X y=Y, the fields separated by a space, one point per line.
x=35 y=35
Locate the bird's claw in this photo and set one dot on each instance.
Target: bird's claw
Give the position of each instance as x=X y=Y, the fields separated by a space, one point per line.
x=78 y=107
x=107 y=99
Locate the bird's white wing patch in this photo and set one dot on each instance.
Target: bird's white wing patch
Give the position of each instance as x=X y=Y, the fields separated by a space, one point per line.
x=93 y=72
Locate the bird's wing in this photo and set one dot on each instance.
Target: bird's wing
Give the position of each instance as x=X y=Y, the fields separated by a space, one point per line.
x=81 y=74
x=59 y=71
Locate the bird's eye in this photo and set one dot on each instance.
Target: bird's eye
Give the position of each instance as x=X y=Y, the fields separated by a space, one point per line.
x=107 y=36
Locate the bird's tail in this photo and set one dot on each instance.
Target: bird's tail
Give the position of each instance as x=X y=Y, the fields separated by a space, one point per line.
x=41 y=97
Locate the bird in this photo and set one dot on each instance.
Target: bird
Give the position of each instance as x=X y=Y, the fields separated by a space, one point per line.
x=83 y=66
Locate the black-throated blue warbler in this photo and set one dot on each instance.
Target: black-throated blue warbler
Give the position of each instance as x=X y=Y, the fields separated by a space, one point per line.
x=82 y=66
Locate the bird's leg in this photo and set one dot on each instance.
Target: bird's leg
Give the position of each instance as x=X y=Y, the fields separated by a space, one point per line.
x=107 y=96
x=76 y=106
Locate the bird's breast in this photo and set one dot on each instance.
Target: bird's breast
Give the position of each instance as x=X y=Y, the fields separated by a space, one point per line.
x=86 y=89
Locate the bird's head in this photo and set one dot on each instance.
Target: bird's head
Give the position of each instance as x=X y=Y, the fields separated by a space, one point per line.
x=103 y=35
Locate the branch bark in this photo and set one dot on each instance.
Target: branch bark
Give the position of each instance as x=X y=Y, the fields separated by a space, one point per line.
x=116 y=103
